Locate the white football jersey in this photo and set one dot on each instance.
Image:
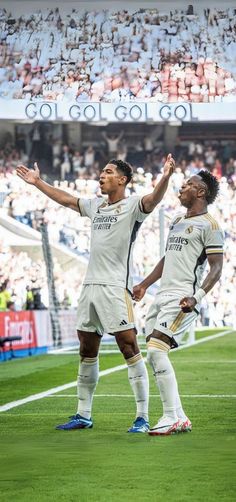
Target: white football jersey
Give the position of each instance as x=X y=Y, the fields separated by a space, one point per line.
x=114 y=229
x=189 y=242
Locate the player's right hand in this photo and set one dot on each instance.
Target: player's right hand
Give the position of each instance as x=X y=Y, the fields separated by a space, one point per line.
x=187 y=304
x=138 y=292
x=30 y=176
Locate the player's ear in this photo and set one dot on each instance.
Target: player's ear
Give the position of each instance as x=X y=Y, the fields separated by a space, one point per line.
x=123 y=180
x=202 y=192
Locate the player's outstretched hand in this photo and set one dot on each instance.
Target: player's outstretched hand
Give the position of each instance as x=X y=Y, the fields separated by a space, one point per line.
x=30 y=176
x=138 y=292
x=187 y=304
x=169 y=166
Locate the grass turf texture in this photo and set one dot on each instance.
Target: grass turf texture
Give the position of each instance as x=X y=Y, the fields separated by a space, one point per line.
x=105 y=463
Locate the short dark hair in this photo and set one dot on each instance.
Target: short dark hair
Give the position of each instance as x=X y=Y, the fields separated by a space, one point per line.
x=123 y=167
x=212 y=185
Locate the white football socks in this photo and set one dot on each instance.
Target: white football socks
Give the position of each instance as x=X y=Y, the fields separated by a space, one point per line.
x=179 y=409
x=157 y=356
x=87 y=381
x=138 y=378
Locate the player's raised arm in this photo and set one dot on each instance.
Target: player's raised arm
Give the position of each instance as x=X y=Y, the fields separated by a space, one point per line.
x=150 y=201
x=139 y=290
x=32 y=177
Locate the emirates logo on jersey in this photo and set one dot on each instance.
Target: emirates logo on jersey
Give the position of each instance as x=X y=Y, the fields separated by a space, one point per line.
x=189 y=230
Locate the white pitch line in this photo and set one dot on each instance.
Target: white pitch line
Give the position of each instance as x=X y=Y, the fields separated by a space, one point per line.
x=129 y=396
x=213 y=361
x=68 y=351
x=54 y=390
x=204 y=339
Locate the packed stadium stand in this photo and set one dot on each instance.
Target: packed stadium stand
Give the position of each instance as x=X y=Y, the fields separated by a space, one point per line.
x=72 y=54
x=152 y=54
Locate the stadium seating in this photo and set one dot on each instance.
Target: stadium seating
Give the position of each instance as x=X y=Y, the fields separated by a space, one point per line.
x=144 y=55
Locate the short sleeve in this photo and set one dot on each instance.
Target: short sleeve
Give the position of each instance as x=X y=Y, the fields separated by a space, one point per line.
x=86 y=207
x=140 y=215
x=213 y=239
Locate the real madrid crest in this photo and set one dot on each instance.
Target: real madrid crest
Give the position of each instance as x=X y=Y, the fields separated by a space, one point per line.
x=189 y=230
x=118 y=209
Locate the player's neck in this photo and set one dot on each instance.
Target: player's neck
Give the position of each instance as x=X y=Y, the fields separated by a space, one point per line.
x=194 y=211
x=116 y=197
x=115 y=201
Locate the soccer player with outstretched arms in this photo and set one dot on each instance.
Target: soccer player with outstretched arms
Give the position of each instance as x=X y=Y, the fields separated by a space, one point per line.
x=105 y=304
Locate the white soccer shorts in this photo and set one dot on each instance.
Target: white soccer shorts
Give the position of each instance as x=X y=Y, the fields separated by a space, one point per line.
x=105 y=309
x=165 y=315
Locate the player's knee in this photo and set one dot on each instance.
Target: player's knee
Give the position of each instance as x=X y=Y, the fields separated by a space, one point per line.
x=157 y=350
x=86 y=352
x=129 y=350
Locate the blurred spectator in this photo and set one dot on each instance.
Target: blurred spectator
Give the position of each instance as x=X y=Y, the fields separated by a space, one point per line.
x=112 y=143
x=36 y=142
x=77 y=162
x=11 y=306
x=66 y=161
x=89 y=157
x=5 y=296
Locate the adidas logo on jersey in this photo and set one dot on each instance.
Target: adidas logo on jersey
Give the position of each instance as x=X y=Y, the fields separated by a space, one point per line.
x=164 y=324
x=122 y=323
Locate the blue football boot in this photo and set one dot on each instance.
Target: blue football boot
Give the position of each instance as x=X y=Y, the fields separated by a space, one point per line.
x=76 y=422
x=139 y=425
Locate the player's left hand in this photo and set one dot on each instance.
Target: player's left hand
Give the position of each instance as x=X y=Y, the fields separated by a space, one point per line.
x=187 y=304
x=169 y=166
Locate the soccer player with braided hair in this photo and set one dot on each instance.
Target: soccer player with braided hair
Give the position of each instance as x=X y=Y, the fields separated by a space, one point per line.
x=194 y=239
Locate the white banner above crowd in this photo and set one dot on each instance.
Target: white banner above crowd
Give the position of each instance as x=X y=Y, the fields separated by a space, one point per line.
x=63 y=111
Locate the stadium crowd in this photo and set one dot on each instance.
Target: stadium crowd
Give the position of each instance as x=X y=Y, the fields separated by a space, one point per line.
x=65 y=227
x=145 y=55
x=23 y=282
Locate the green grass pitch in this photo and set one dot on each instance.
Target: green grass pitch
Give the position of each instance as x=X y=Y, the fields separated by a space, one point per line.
x=105 y=463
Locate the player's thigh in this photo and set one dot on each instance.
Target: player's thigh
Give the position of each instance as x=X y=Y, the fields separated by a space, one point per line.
x=87 y=318
x=151 y=316
x=114 y=308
